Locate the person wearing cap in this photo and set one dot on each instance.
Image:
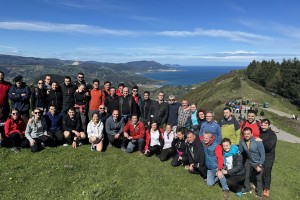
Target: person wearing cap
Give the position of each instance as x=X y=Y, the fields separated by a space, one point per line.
x=4 y=88
x=19 y=95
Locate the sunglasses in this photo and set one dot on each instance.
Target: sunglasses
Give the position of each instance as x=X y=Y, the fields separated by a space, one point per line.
x=101 y=108
x=80 y=76
x=37 y=112
x=40 y=83
x=14 y=113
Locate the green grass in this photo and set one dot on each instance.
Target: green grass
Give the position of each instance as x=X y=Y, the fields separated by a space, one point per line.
x=65 y=173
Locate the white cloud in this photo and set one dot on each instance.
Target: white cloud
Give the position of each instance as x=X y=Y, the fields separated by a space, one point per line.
x=66 y=28
x=238 y=52
x=218 y=33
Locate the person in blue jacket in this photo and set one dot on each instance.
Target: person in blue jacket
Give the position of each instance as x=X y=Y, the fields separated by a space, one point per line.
x=19 y=94
x=211 y=126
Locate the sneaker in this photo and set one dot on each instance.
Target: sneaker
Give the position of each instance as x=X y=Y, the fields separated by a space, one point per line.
x=93 y=147
x=186 y=167
x=79 y=143
x=43 y=146
x=16 y=149
x=258 y=197
x=226 y=194
x=245 y=191
x=123 y=149
x=110 y=145
x=65 y=144
x=267 y=193
x=239 y=194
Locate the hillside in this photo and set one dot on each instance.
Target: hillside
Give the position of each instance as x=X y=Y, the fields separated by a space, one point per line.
x=32 y=68
x=235 y=86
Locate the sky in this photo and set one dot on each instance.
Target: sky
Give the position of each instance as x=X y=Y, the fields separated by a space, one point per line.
x=190 y=32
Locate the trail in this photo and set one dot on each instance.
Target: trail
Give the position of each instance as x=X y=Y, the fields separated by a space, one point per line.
x=281 y=135
x=280 y=113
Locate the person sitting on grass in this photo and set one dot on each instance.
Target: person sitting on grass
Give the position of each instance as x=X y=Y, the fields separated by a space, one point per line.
x=233 y=170
x=180 y=147
x=3 y=119
x=95 y=133
x=167 y=150
x=36 y=131
x=153 y=140
x=195 y=155
x=255 y=152
x=54 y=125
x=114 y=127
x=134 y=133
x=214 y=161
x=14 y=129
x=73 y=128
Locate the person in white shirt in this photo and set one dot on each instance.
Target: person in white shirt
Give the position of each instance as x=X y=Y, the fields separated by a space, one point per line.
x=153 y=140
x=167 y=150
x=95 y=133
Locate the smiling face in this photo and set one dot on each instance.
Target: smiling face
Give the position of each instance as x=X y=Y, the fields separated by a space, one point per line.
x=95 y=118
x=37 y=114
x=201 y=115
x=265 y=126
x=251 y=117
x=209 y=117
x=206 y=138
x=226 y=146
x=190 y=137
x=15 y=114
x=247 y=134
x=227 y=114
x=71 y=113
x=154 y=126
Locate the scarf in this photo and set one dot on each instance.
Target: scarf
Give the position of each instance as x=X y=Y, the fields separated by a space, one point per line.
x=233 y=151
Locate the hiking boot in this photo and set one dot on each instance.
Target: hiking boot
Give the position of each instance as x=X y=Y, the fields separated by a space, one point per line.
x=267 y=193
x=16 y=149
x=245 y=191
x=226 y=194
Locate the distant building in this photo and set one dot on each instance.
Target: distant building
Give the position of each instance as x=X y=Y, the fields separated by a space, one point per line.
x=75 y=63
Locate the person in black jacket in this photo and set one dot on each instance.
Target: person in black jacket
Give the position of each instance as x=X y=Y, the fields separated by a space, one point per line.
x=234 y=169
x=126 y=105
x=72 y=128
x=68 y=90
x=269 y=140
x=55 y=96
x=159 y=111
x=180 y=146
x=39 y=97
x=111 y=101
x=195 y=155
x=81 y=104
x=145 y=108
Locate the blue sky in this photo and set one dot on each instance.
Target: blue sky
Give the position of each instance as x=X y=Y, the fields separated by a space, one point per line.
x=191 y=32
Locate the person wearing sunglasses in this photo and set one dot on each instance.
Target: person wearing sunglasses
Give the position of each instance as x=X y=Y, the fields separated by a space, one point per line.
x=36 y=131
x=39 y=97
x=14 y=129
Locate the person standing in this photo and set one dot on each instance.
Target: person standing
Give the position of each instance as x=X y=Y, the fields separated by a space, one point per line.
x=138 y=100
x=111 y=101
x=159 y=111
x=269 y=140
x=19 y=95
x=192 y=121
x=39 y=97
x=211 y=126
x=173 y=107
x=184 y=112
x=47 y=83
x=145 y=107
x=106 y=88
x=68 y=90
x=4 y=89
x=252 y=123
x=55 y=97
x=230 y=127
x=255 y=153
x=126 y=105
x=119 y=91
x=81 y=104
x=97 y=98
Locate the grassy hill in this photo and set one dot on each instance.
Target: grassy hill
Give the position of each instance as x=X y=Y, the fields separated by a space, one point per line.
x=235 y=86
x=66 y=173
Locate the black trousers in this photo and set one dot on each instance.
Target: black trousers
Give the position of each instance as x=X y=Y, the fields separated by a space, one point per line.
x=268 y=165
x=56 y=137
x=235 y=182
x=153 y=150
x=15 y=140
x=113 y=141
x=175 y=162
x=37 y=145
x=166 y=154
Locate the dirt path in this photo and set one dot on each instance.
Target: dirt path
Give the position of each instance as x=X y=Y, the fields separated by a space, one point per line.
x=281 y=135
x=280 y=113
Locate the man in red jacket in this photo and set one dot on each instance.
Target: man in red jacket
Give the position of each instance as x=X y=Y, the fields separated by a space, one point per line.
x=252 y=123
x=4 y=88
x=134 y=132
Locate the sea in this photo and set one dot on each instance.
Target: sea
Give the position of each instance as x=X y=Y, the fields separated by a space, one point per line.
x=189 y=75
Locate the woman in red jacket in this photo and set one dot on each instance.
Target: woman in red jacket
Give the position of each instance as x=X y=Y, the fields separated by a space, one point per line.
x=154 y=138
x=14 y=129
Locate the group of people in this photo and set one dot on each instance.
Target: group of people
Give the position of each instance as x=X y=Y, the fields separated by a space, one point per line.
x=230 y=152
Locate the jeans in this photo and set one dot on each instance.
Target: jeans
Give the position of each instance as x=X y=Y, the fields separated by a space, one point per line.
x=212 y=179
x=132 y=144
